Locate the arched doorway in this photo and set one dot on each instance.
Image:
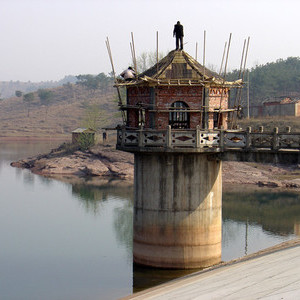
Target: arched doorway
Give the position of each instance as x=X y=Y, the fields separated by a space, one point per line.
x=179 y=117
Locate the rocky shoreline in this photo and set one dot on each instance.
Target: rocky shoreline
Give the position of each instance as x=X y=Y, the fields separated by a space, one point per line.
x=107 y=162
x=102 y=161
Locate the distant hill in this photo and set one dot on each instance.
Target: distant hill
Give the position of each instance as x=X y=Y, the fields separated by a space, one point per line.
x=67 y=107
x=8 y=88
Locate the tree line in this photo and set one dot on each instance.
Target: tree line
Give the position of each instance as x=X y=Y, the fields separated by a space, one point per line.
x=46 y=97
x=271 y=80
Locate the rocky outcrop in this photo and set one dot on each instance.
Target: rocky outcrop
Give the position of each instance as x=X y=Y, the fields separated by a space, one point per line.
x=98 y=161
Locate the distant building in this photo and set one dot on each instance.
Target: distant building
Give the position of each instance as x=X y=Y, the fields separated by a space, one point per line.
x=87 y=132
x=275 y=107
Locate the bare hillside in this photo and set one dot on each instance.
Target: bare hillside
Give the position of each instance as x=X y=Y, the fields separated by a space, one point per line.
x=71 y=106
x=269 y=123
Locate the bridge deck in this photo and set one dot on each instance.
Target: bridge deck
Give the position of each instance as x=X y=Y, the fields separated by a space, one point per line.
x=272 y=276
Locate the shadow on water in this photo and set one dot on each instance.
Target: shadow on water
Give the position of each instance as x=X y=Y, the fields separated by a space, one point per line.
x=145 y=277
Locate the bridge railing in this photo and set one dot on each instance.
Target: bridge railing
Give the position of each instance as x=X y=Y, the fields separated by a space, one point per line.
x=215 y=140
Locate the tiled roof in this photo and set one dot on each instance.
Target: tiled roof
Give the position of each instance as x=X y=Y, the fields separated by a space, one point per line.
x=179 y=68
x=178 y=65
x=81 y=130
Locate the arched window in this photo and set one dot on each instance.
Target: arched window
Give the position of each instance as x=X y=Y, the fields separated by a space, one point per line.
x=179 y=117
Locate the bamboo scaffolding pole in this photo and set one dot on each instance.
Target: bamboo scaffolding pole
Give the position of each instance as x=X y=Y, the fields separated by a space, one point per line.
x=114 y=74
x=243 y=74
x=196 y=55
x=156 y=51
x=224 y=77
x=221 y=67
x=239 y=91
x=203 y=116
x=133 y=49
x=246 y=56
x=113 y=68
x=226 y=62
x=132 y=55
x=248 y=104
x=244 y=68
x=204 y=46
x=242 y=59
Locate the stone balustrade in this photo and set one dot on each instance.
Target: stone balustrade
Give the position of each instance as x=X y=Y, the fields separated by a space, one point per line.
x=198 y=140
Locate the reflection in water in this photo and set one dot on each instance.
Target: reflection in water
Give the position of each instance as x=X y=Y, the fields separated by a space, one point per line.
x=93 y=196
x=46 y=181
x=252 y=220
x=123 y=220
x=275 y=212
x=28 y=178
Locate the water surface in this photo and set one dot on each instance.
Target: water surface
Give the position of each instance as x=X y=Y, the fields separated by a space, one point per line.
x=62 y=240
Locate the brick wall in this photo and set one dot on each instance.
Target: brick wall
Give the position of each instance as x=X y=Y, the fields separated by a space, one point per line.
x=297 y=109
x=136 y=95
x=165 y=96
x=218 y=98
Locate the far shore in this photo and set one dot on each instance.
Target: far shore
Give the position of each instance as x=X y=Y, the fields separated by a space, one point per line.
x=104 y=163
x=20 y=138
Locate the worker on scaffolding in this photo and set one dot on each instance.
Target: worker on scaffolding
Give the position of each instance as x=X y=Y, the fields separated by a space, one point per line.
x=178 y=33
x=128 y=74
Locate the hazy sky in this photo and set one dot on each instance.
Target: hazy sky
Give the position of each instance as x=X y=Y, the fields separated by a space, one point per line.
x=48 y=39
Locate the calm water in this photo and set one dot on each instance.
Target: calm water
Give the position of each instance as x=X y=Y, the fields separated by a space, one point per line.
x=74 y=241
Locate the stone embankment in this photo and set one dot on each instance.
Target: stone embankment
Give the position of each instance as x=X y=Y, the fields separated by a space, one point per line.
x=105 y=161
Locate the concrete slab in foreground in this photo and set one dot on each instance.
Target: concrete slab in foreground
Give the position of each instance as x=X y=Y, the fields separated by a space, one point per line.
x=270 y=274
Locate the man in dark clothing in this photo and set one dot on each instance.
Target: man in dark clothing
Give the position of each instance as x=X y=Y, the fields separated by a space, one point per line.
x=178 y=32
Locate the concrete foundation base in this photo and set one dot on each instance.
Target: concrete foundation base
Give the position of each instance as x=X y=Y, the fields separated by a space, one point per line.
x=177 y=210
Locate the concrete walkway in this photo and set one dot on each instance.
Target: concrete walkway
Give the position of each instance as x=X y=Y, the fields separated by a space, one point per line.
x=274 y=275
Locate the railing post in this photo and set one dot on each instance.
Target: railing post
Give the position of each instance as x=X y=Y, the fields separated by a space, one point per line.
x=221 y=141
x=275 y=139
x=248 y=138
x=169 y=137
x=261 y=129
x=140 y=137
x=288 y=129
x=198 y=136
x=123 y=137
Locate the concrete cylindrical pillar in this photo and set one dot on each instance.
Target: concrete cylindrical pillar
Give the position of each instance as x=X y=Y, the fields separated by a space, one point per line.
x=177 y=210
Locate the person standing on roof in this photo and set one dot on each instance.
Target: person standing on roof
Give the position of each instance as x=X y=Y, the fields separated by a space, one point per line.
x=128 y=74
x=178 y=32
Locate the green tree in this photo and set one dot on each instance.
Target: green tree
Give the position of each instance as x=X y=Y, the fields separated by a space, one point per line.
x=18 y=94
x=46 y=97
x=275 y=79
x=94 y=82
x=91 y=118
x=85 y=141
x=90 y=82
x=28 y=99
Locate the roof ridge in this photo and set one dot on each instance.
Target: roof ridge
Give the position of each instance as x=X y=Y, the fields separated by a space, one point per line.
x=193 y=63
